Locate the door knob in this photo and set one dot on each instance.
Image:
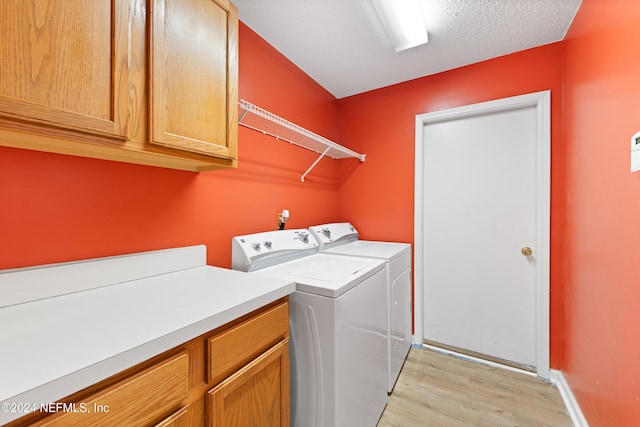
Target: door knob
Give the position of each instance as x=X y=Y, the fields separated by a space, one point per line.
x=526 y=251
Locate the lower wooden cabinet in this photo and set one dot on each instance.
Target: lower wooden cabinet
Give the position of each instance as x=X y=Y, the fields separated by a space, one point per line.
x=257 y=395
x=196 y=384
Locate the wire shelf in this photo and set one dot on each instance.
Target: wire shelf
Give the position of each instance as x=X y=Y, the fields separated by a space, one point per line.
x=267 y=123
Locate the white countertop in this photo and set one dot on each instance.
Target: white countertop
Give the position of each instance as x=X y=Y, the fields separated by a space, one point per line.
x=53 y=347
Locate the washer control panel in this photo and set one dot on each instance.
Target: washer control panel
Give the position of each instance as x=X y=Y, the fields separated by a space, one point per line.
x=334 y=234
x=254 y=251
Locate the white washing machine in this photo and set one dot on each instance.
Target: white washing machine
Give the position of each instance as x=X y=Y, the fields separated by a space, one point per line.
x=343 y=238
x=337 y=327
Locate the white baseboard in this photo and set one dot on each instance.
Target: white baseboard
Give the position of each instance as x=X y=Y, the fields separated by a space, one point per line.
x=558 y=379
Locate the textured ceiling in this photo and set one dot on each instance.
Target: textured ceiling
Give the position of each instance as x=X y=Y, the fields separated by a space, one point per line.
x=342 y=45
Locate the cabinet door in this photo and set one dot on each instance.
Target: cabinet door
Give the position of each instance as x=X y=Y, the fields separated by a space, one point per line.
x=64 y=64
x=257 y=395
x=193 y=76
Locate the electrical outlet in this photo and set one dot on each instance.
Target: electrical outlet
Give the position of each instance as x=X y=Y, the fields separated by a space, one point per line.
x=635 y=152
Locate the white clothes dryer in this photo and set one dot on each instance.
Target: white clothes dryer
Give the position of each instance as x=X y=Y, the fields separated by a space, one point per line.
x=343 y=238
x=337 y=327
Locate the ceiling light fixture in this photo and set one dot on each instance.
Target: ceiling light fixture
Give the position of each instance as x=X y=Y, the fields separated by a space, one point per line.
x=403 y=22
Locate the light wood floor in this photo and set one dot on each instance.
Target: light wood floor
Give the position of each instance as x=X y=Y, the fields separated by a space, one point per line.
x=436 y=390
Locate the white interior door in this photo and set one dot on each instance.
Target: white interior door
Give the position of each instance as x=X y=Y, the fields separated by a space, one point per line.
x=483 y=205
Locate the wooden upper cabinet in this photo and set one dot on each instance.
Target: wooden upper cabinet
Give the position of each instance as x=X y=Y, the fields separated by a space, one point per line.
x=151 y=82
x=194 y=76
x=63 y=64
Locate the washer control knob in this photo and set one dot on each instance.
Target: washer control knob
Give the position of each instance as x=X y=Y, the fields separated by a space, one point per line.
x=267 y=245
x=304 y=237
x=256 y=246
x=326 y=232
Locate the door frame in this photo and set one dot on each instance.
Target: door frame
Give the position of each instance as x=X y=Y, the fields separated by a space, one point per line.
x=542 y=103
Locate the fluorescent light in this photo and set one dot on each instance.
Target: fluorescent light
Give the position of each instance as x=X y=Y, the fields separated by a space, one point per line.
x=402 y=20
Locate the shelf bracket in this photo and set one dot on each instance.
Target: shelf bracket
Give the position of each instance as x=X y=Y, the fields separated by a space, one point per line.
x=324 y=153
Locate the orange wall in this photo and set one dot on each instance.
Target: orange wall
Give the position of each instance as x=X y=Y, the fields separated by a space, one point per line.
x=378 y=196
x=602 y=220
x=56 y=208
